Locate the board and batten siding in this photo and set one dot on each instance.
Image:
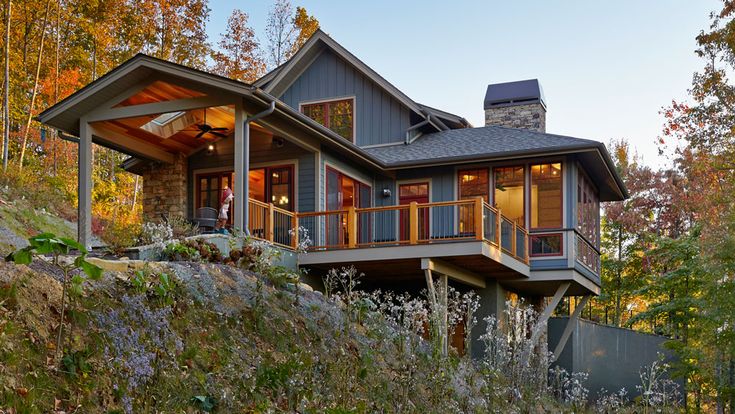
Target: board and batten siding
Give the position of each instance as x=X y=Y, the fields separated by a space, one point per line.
x=379 y=118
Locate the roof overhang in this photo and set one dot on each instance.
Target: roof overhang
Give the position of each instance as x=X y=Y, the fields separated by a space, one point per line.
x=132 y=76
x=593 y=156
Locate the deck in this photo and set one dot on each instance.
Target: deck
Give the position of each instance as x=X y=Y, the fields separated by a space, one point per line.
x=391 y=241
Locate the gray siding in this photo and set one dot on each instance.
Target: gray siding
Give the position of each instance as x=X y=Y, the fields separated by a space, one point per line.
x=379 y=118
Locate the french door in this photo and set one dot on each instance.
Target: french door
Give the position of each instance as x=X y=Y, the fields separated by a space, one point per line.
x=209 y=190
x=408 y=193
x=342 y=192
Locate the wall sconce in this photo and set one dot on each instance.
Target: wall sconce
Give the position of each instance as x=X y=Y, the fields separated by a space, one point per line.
x=386 y=192
x=210 y=149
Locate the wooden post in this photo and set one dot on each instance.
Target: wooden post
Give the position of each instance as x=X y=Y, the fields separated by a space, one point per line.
x=479 y=221
x=413 y=222
x=269 y=225
x=499 y=229
x=296 y=235
x=351 y=227
x=513 y=238
x=444 y=326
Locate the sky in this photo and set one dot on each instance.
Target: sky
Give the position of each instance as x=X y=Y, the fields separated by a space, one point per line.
x=607 y=68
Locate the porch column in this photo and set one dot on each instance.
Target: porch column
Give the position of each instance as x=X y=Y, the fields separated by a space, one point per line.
x=242 y=168
x=84 y=180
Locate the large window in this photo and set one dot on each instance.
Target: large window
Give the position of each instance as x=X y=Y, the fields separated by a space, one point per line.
x=509 y=192
x=273 y=185
x=546 y=196
x=588 y=209
x=335 y=115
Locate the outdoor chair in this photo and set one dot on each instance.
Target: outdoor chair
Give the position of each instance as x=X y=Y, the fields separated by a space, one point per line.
x=206 y=219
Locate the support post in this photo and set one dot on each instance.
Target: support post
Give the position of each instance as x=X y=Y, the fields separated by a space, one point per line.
x=513 y=237
x=84 y=181
x=270 y=225
x=444 y=314
x=296 y=235
x=240 y=189
x=351 y=227
x=569 y=328
x=413 y=222
x=544 y=318
x=479 y=220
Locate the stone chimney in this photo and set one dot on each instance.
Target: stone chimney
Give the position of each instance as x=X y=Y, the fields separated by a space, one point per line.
x=517 y=104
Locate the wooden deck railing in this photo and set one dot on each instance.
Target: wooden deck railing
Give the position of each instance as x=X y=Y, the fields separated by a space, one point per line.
x=410 y=224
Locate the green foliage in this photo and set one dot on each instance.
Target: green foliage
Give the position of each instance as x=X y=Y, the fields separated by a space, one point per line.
x=204 y=402
x=49 y=244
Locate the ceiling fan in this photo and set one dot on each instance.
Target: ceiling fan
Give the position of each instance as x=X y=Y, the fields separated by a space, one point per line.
x=204 y=128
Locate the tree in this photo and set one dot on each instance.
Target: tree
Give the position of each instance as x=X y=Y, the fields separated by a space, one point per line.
x=6 y=87
x=287 y=32
x=239 y=55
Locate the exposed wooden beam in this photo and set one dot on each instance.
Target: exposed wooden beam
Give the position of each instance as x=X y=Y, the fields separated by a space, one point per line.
x=128 y=93
x=130 y=145
x=454 y=272
x=134 y=111
x=569 y=328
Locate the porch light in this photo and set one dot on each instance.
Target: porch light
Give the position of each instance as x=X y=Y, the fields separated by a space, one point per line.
x=210 y=149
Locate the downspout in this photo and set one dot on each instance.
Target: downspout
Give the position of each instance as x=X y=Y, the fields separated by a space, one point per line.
x=246 y=162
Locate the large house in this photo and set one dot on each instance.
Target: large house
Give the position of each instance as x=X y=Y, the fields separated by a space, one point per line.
x=403 y=191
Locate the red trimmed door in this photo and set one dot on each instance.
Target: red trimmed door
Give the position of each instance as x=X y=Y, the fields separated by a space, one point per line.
x=408 y=193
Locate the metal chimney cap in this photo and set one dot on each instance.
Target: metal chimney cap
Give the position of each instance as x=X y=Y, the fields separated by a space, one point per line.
x=523 y=92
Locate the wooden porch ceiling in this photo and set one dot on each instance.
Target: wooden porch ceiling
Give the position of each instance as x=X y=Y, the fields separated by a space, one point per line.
x=177 y=135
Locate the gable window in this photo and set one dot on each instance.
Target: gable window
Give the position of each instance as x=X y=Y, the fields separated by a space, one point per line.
x=510 y=187
x=546 y=196
x=336 y=115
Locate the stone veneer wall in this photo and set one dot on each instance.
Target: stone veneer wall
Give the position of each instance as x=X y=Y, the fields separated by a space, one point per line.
x=164 y=189
x=530 y=116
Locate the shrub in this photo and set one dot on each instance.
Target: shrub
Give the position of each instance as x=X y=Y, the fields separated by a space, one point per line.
x=156 y=233
x=193 y=250
x=120 y=235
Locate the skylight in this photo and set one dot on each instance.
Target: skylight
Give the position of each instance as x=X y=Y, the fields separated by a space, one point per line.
x=164 y=119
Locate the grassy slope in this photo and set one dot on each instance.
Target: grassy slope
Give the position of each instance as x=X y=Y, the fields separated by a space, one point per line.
x=244 y=350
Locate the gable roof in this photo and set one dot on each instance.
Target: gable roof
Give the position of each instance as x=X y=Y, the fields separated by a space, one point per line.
x=495 y=143
x=277 y=81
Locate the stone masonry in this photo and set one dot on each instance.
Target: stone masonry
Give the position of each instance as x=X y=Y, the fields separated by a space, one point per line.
x=530 y=116
x=164 y=189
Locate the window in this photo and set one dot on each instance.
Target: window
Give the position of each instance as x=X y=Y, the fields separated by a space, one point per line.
x=474 y=183
x=335 y=115
x=547 y=245
x=546 y=196
x=273 y=185
x=588 y=209
x=510 y=187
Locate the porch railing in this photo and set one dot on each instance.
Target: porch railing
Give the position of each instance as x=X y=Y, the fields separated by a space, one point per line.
x=273 y=224
x=409 y=224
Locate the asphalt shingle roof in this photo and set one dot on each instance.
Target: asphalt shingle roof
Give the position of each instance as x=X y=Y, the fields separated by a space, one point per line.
x=474 y=143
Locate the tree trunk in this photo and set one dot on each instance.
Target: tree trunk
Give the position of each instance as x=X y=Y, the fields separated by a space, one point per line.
x=6 y=95
x=135 y=193
x=619 y=277
x=56 y=76
x=35 y=87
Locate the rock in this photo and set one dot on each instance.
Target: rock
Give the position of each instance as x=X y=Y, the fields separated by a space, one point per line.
x=110 y=265
x=304 y=286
